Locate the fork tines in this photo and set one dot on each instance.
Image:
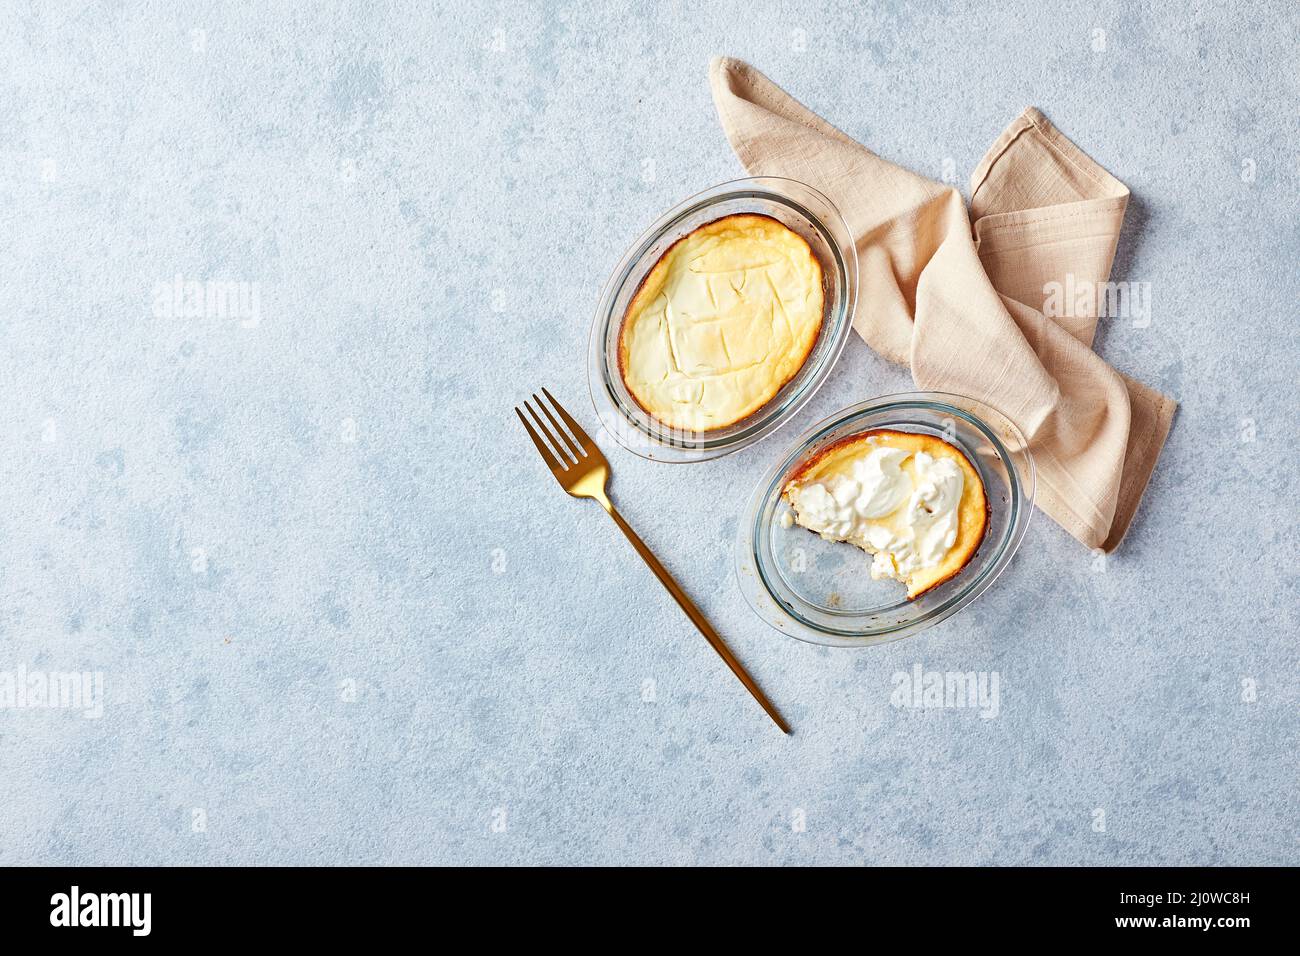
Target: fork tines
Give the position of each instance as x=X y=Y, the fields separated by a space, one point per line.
x=564 y=451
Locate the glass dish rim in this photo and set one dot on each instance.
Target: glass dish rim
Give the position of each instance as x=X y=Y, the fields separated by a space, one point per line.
x=1023 y=486
x=630 y=433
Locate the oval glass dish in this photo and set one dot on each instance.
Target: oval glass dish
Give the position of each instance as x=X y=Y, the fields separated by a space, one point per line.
x=821 y=591
x=800 y=208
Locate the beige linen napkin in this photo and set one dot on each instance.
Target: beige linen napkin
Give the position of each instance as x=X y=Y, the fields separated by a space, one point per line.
x=966 y=311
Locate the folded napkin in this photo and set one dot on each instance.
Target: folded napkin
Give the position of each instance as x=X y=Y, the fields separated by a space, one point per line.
x=965 y=308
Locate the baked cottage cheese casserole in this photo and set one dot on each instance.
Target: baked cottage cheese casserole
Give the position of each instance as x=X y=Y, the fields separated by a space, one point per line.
x=726 y=317
x=912 y=500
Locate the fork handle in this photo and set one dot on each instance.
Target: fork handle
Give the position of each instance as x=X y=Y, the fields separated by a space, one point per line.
x=687 y=605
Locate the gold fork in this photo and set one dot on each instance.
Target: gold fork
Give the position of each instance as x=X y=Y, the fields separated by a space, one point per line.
x=583 y=472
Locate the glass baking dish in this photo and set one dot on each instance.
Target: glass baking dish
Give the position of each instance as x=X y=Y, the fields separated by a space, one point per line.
x=822 y=591
x=803 y=210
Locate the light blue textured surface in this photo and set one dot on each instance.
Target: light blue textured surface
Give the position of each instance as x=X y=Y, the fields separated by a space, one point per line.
x=429 y=201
